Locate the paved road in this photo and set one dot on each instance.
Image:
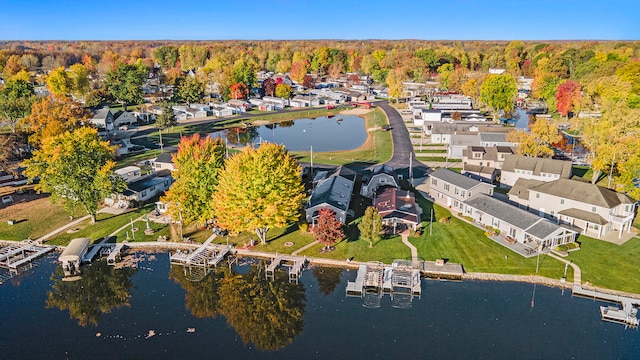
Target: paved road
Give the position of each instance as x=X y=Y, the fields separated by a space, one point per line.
x=402 y=147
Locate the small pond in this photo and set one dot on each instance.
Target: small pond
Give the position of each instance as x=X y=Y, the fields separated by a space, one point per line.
x=323 y=133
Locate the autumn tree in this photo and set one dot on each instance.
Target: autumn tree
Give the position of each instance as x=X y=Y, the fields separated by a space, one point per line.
x=445 y=72
x=299 y=69
x=50 y=117
x=125 y=82
x=16 y=99
x=166 y=56
x=514 y=55
x=539 y=141
x=499 y=92
x=79 y=77
x=568 y=97
x=197 y=164
x=238 y=91
x=77 y=169
x=189 y=91
x=269 y=87
x=167 y=118
x=394 y=81
x=370 y=226
x=328 y=229
x=307 y=81
x=258 y=189
x=284 y=91
x=59 y=82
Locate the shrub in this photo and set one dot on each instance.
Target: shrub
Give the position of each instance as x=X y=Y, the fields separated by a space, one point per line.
x=303 y=226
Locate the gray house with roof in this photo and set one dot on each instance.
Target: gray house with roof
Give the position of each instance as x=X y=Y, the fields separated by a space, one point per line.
x=331 y=192
x=592 y=209
x=515 y=223
x=484 y=162
x=542 y=169
x=450 y=189
x=103 y=119
x=379 y=176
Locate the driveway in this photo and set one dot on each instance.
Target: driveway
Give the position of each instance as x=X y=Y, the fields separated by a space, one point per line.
x=402 y=147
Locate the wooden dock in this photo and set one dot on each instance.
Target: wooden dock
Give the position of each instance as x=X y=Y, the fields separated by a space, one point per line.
x=14 y=256
x=627 y=315
x=296 y=266
x=94 y=251
x=400 y=280
x=112 y=259
x=441 y=270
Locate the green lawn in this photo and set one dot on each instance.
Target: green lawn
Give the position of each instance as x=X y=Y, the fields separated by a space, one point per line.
x=34 y=219
x=430 y=151
x=385 y=250
x=132 y=160
x=460 y=242
x=367 y=153
x=160 y=230
x=436 y=158
x=608 y=265
x=106 y=224
x=276 y=239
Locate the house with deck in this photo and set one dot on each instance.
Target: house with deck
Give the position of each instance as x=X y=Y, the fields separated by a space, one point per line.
x=332 y=190
x=591 y=209
x=449 y=188
x=525 y=167
x=397 y=207
x=515 y=224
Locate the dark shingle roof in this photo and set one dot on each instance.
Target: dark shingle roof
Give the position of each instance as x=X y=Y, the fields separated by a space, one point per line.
x=146 y=183
x=503 y=211
x=335 y=190
x=454 y=178
x=164 y=158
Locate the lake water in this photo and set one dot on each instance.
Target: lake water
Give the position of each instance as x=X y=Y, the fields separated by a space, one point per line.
x=239 y=315
x=323 y=133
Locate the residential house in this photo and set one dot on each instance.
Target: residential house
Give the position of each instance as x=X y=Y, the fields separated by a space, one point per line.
x=222 y=110
x=121 y=118
x=148 y=187
x=129 y=173
x=397 y=207
x=331 y=192
x=450 y=189
x=460 y=141
x=516 y=224
x=495 y=139
x=103 y=119
x=484 y=162
x=524 y=167
x=278 y=103
x=379 y=176
x=164 y=161
x=594 y=210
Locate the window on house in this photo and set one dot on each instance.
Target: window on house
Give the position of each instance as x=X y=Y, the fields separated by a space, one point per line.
x=488 y=164
x=434 y=182
x=552 y=213
x=593 y=209
x=446 y=187
x=537 y=195
x=512 y=232
x=457 y=191
x=490 y=192
x=496 y=223
x=469 y=194
x=143 y=194
x=562 y=201
x=152 y=188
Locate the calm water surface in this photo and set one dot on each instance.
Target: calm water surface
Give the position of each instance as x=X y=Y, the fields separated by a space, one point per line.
x=323 y=133
x=240 y=315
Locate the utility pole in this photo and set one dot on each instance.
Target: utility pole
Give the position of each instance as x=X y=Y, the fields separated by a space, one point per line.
x=161 y=147
x=431 y=223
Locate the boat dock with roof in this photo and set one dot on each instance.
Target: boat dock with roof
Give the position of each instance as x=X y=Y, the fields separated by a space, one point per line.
x=627 y=315
x=374 y=279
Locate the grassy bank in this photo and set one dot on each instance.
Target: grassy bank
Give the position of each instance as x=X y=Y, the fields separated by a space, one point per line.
x=33 y=219
x=377 y=148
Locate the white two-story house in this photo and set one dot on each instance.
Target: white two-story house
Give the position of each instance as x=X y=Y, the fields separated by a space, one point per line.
x=525 y=167
x=450 y=189
x=595 y=210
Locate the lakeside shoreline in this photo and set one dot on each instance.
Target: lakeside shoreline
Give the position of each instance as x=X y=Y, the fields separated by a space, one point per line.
x=155 y=247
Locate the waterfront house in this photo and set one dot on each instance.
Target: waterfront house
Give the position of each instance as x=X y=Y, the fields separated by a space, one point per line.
x=379 y=176
x=397 y=207
x=450 y=189
x=524 y=167
x=148 y=187
x=484 y=162
x=333 y=191
x=516 y=224
x=592 y=209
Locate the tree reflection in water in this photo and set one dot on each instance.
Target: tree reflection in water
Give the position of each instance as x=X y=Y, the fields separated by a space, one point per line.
x=241 y=136
x=328 y=278
x=101 y=289
x=267 y=314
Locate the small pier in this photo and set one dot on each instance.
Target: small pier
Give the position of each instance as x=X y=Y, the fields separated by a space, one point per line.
x=114 y=255
x=441 y=270
x=627 y=315
x=205 y=256
x=14 y=256
x=400 y=280
x=95 y=248
x=295 y=263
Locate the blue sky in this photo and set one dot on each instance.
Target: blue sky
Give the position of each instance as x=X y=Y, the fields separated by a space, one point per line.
x=329 y=19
